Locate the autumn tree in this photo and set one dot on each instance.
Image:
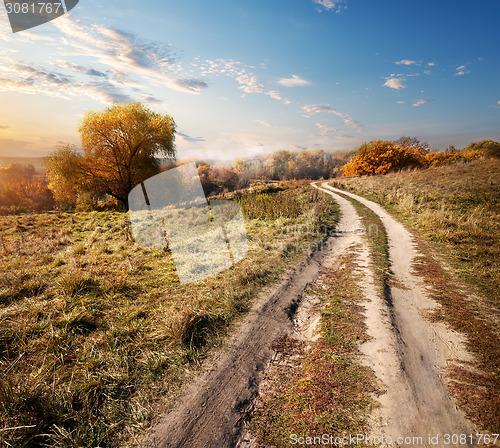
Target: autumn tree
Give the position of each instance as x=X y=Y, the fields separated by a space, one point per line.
x=488 y=148
x=122 y=146
x=22 y=187
x=381 y=157
x=413 y=143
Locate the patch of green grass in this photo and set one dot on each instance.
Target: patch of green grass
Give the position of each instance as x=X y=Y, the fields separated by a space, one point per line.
x=96 y=332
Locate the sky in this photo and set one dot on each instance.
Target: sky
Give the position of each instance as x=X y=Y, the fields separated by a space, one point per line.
x=245 y=77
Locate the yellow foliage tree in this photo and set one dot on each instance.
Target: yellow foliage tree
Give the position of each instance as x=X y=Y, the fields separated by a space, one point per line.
x=122 y=147
x=381 y=157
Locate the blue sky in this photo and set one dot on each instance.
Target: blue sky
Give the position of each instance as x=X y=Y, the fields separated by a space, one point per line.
x=241 y=78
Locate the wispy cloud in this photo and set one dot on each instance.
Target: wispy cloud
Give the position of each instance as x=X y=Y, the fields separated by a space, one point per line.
x=406 y=62
x=330 y=5
x=419 y=103
x=400 y=102
x=28 y=79
x=394 y=82
x=325 y=108
x=123 y=52
x=187 y=138
x=495 y=106
x=3 y=128
x=325 y=131
x=462 y=70
x=294 y=81
x=318 y=108
x=263 y=123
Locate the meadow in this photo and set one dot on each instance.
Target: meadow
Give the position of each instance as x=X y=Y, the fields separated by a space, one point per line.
x=97 y=334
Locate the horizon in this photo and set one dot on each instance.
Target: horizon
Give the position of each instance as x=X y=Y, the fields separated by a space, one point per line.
x=246 y=79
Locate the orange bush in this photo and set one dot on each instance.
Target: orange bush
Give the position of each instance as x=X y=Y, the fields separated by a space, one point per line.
x=380 y=157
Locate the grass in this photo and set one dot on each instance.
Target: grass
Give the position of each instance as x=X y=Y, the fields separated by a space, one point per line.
x=457 y=207
x=454 y=212
x=320 y=388
x=97 y=334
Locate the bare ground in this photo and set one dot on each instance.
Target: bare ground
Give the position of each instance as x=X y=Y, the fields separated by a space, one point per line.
x=407 y=352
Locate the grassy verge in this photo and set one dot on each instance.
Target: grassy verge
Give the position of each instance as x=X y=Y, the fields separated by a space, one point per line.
x=454 y=211
x=320 y=388
x=457 y=207
x=476 y=385
x=96 y=332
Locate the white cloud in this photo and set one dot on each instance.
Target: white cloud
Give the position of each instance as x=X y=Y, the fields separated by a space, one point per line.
x=394 y=83
x=419 y=103
x=330 y=5
x=406 y=62
x=462 y=70
x=186 y=138
x=294 y=81
x=250 y=84
x=318 y=108
x=325 y=108
x=325 y=131
x=123 y=52
x=263 y=123
x=431 y=64
x=400 y=102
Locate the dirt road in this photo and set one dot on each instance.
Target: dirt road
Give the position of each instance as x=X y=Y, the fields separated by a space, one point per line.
x=406 y=352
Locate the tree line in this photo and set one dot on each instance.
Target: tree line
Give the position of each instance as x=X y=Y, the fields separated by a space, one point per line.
x=128 y=143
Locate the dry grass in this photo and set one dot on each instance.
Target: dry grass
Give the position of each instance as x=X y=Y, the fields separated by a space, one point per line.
x=320 y=388
x=455 y=211
x=96 y=332
x=457 y=207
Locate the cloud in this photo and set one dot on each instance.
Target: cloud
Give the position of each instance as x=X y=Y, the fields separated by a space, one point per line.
x=462 y=70
x=325 y=131
x=3 y=128
x=495 y=106
x=394 y=82
x=294 y=81
x=318 y=108
x=263 y=123
x=187 y=138
x=80 y=69
x=330 y=5
x=122 y=52
x=431 y=64
x=419 y=103
x=250 y=84
x=325 y=108
x=406 y=62
x=400 y=102
x=28 y=79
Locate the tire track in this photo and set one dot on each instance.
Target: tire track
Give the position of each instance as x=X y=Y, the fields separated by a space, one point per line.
x=408 y=353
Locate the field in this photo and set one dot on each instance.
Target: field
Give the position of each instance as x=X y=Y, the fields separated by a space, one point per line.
x=454 y=213
x=457 y=207
x=96 y=332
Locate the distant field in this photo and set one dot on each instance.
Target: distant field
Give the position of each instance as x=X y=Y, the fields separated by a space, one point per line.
x=456 y=206
x=95 y=330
